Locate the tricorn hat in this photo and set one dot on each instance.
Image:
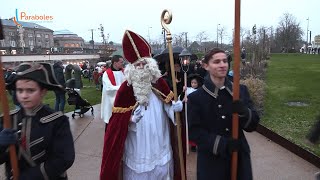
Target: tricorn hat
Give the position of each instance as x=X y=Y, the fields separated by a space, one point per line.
x=36 y=72
x=51 y=75
x=135 y=47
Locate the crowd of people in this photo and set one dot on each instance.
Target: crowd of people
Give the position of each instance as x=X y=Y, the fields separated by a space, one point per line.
x=140 y=116
x=137 y=104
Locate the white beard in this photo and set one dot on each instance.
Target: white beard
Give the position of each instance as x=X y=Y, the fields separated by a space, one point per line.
x=141 y=83
x=141 y=80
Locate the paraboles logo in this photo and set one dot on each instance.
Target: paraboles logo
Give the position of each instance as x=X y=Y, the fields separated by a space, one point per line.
x=23 y=16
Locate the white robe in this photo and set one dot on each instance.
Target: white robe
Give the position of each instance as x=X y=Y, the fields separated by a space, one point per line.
x=148 y=149
x=109 y=92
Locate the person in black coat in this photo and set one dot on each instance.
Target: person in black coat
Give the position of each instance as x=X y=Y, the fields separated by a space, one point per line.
x=210 y=111
x=60 y=94
x=42 y=137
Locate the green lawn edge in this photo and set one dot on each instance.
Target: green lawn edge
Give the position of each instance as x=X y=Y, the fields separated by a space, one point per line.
x=292 y=77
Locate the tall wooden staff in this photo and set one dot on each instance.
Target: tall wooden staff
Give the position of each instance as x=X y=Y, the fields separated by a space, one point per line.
x=236 y=82
x=166 y=18
x=6 y=116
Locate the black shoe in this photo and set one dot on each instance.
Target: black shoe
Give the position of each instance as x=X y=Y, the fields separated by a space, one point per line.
x=194 y=148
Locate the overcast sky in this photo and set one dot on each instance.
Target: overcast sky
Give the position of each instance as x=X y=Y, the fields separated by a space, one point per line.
x=143 y=16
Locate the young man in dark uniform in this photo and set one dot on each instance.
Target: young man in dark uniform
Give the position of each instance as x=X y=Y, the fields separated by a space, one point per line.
x=42 y=136
x=210 y=111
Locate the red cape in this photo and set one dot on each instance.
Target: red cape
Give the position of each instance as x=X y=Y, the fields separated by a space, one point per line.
x=117 y=130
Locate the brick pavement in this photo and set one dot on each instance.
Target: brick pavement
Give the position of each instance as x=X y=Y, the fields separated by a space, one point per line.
x=269 y=160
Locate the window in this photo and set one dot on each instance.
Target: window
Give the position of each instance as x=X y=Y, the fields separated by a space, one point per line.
x=30 y=35
x=72 y=45
x=12 y=43
x=46 y=36
x=11 y=34
x=66 y=45
x=77 y=45
x=38 y=35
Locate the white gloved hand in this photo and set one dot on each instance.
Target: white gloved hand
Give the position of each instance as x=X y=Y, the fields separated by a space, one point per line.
x=137 y=115
x=177 y=106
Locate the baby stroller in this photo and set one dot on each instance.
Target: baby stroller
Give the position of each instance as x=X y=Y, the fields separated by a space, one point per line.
x=74 y=98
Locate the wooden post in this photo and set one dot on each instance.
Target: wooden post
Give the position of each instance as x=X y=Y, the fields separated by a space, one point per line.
x=6 y=116
x=186 y=112
x=236 y=84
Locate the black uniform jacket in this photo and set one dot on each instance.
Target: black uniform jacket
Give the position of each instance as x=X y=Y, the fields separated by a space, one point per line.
x=45 y=148
x=210 y=123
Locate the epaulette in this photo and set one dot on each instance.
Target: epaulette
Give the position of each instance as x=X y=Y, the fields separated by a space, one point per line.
x=12 y=112
x=51 y=117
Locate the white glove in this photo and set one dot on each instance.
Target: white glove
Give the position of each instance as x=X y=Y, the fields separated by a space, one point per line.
x=137 y=115
x=177 y=106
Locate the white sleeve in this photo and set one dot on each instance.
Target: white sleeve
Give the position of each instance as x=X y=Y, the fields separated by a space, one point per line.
x=169 y=110
x=107 y=84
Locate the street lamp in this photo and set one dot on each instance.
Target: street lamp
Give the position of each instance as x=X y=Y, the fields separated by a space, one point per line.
x=149 y=33
x=164 y=37
x=217 y=35
x=307 y=30
x=307 y=43
x=185 y=57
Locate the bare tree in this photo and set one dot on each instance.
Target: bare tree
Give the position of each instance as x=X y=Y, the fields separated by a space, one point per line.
x=157 y=43
x=202 y=36
x=178 y=39
x=222 y=33
x=242 y=34
x=288 y=33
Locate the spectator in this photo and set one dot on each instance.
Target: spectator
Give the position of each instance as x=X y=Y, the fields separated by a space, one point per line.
x=96 y=77
x=243 y=56
x=60 y=94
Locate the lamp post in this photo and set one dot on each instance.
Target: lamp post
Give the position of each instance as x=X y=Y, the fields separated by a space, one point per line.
x=149 y=34
x=184 y=57
x=307 y=31
x=217 y=35
x=164 y=38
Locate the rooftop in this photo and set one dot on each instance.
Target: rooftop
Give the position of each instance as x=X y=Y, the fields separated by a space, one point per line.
x=31 y=25
x=63 y=32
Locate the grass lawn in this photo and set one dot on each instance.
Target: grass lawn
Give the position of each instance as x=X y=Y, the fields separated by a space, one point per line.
x=88 y=92
x=293 y=77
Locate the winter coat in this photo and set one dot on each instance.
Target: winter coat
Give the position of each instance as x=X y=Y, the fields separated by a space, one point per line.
x=210 y=124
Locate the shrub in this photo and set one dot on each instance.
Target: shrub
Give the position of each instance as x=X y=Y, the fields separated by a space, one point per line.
x=256 y=89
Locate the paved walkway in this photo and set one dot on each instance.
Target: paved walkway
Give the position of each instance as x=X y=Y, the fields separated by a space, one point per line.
x=269 y=160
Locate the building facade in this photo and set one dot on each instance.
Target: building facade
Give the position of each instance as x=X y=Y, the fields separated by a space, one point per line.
x=30 y=38
x=66 y=41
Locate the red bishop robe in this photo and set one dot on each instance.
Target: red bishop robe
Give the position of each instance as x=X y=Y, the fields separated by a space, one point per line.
x=115 y=136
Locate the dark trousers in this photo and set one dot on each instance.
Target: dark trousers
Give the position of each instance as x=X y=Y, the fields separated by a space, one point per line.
x=60 y=101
